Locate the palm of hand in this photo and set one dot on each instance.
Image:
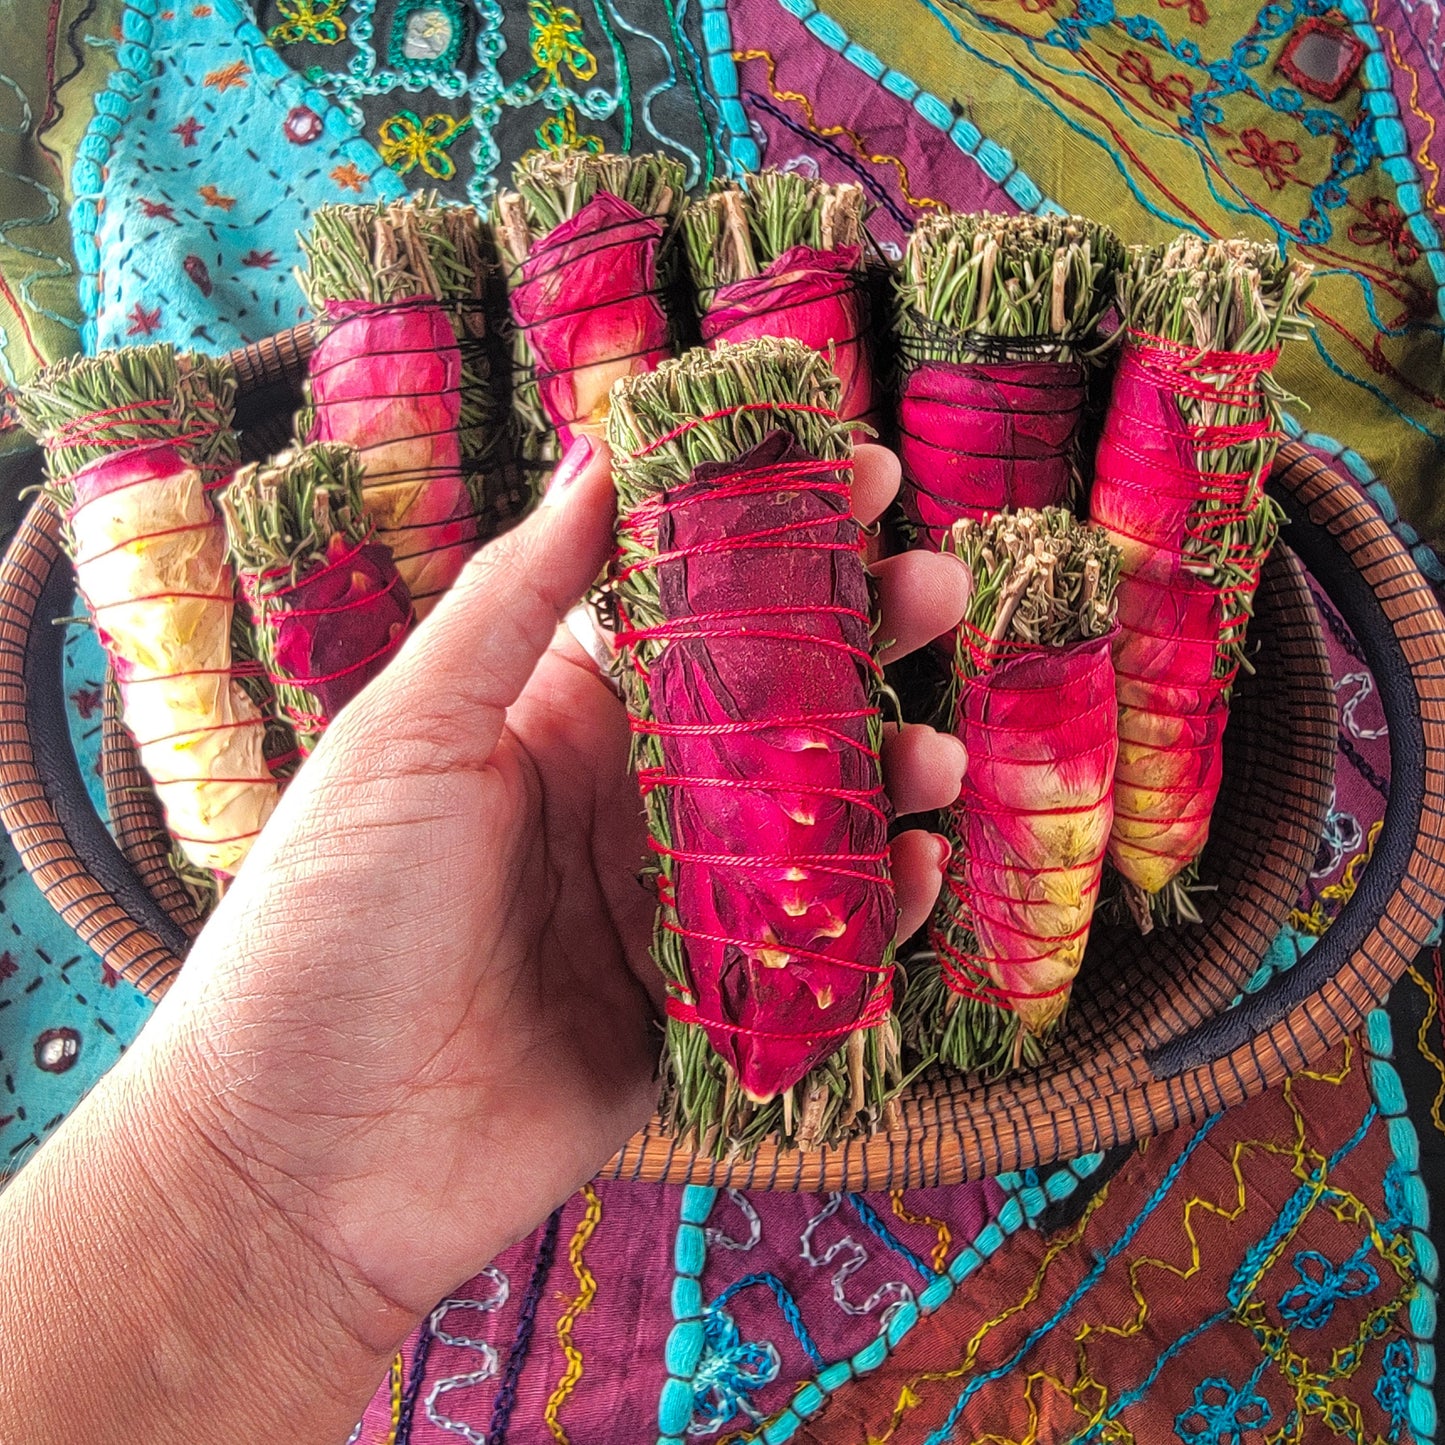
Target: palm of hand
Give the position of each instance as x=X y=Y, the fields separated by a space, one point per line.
x=414 y=1064
x=418 y=1018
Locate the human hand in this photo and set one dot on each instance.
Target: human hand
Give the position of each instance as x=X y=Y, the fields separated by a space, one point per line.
x=421 y=1016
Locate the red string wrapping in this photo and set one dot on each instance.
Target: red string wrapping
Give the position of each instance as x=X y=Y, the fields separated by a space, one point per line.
x=112 y=431
x=328 y=632
x=147 y=423
x=388 y=380
x=763 y=771
x=1030 y=827
x=1165 y=491
x=198 y=735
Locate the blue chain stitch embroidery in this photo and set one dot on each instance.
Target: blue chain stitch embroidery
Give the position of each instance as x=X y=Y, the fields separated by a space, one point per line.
x=1397 y=1200
x=506 y=1397
x=730 y=1371
x=869 y=1216
x=1222 y=1414
x=1392 y=1389
x=1310 y=1305
x=787 y=1305
x=1356 y=148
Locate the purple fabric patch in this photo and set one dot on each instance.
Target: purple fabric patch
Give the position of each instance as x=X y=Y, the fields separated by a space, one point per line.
x=907 y=167
x=793 y=1281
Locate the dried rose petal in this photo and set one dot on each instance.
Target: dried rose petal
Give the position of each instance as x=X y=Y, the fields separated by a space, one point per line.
x=977 y=438
x=387 y=381
x=1041 y=729
x=785 y=946
x=587 y=303
x=816 y=297
x=151 y=564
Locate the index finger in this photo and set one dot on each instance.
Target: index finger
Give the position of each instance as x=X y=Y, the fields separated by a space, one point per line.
x=877 y=475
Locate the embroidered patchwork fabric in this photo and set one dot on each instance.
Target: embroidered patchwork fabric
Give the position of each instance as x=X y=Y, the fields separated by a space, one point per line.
x=450 y=92
x=1268 y=1276
x=1255 y=1278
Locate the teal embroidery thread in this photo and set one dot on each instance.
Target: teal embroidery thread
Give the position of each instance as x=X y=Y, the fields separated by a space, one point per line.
x=686 y=1340
x=1414 y=1205
x=417 y=27
x=996 y=162
x=1018 y=1212
x=722 y=69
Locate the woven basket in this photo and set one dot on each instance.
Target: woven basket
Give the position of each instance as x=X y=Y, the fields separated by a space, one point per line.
x=1155 y=1038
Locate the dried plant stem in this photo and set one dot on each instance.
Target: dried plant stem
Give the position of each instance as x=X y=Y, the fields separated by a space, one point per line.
x=971 y=284
x=701 y=1095
x=1040 y=579
x=194 y=400
x=552 y=186
x=735 y=231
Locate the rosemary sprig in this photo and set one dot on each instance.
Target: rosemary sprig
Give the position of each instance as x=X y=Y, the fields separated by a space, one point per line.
x=971 y=284
x=188 y=400
x=202 y=886
x=281 y=515
x=701 y=1096
x=1041 y=579
x=392 y=251
x=736 y=231
x=647 y=408
x=1224 y=296
x=552 y=186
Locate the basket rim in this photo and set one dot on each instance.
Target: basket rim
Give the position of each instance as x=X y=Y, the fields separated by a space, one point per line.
x=1308 y=1029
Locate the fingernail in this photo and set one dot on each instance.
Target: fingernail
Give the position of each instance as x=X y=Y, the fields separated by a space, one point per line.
x=944 y=850
x=572 y=465
x=582 y=623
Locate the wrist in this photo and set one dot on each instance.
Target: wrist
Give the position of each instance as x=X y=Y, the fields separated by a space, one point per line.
x=159 y=1284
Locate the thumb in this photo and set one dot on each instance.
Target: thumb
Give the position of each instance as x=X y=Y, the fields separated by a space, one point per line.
x=451 y=684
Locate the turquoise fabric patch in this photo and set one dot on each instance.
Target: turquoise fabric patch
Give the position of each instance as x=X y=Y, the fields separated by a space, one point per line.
x=63 y=1020
x=212 y=154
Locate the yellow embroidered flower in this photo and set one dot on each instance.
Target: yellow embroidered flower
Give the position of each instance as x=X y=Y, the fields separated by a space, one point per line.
x=315 y=20
x=556 y=41
x=557 y=44
x=559 y=133
x=407 y=141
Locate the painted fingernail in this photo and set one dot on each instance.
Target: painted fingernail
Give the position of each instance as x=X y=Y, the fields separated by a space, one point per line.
x=572 y=465
x=944 y=850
